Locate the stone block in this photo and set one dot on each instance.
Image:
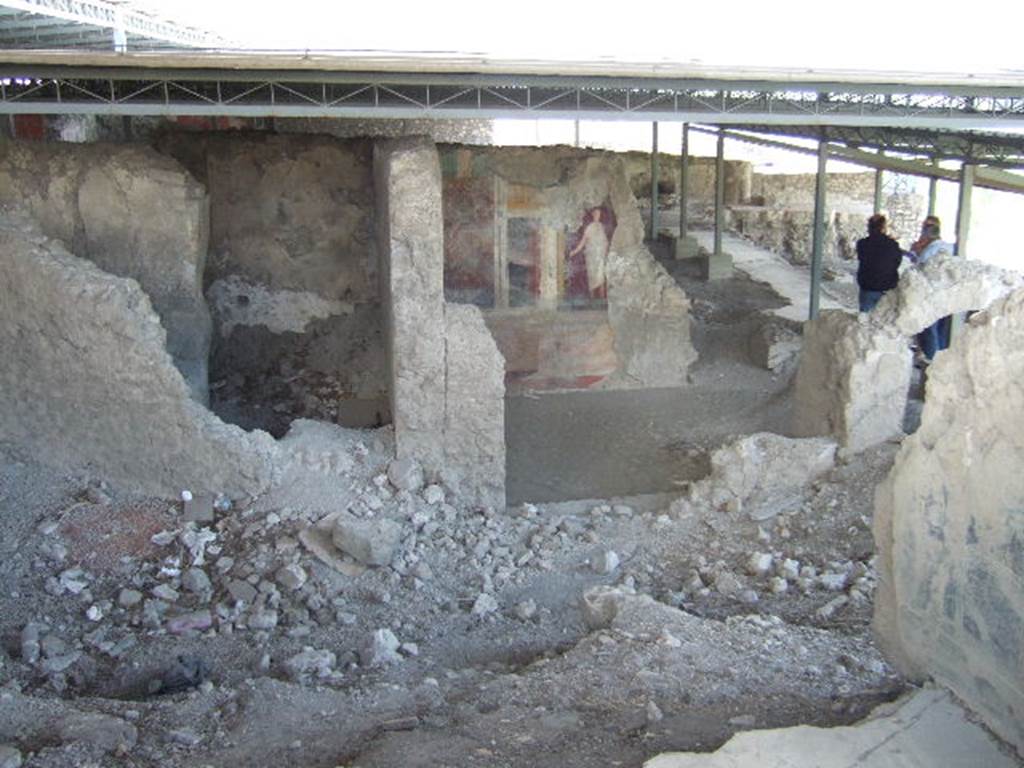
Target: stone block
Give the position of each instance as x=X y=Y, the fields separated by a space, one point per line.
x=715 y=266
x=852 y=381
x=686 y=248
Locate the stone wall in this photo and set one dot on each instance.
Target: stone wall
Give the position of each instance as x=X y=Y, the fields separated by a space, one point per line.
x=87 y=380
x=852 y=192
x=447 y=376
x=700 y=182
x=852 y=381
x=135 y=214
x=292 y=234
x=950 y=531
x=512 y=220
x=408 y=184
x=855 y=369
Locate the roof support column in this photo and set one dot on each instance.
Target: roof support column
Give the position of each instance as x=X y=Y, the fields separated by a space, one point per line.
x=963 y=228
x=933 y=190
x=686 y=246
x=818 y=244
x=654 y=181
x=878 y=188
x=719 y=263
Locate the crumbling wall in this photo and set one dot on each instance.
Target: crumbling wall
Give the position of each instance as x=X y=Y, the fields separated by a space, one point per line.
x=552 y=336
x=852 y=381
x=292 y=222
x=447 y=376
x=700 y=180
x=791 y=232
x=949 y=527
x=87 y=380
x=781 y=214
x=474 y=419
x=135 y=214
x=855 y=369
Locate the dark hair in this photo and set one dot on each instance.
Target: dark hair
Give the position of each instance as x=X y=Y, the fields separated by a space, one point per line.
x=876 y=223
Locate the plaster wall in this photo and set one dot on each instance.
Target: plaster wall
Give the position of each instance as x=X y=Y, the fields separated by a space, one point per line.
x=87 y=379
x=514 y=222
x=949 y=526
x=134 y=213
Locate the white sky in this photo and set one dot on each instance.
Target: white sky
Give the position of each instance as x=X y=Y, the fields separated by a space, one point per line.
x=938 y=36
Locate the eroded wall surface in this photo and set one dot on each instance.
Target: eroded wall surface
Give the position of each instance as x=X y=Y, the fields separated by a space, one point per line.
x=949 y=526
x=292 y=280
x=87 y=380
x=549 y=244
x=134 y=213
x=852 y=381
x=855 y=369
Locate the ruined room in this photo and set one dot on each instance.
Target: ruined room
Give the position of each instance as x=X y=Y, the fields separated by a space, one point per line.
x=337 y=431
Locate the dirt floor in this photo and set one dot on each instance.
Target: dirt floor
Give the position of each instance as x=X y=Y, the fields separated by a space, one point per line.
x=130 y=636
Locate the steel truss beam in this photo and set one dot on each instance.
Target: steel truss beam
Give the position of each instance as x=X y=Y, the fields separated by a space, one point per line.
x=28 y=88
x=991 y=178
x=977 y=147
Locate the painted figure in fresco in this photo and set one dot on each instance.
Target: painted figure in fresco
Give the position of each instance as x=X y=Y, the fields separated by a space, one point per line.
x=594 y=246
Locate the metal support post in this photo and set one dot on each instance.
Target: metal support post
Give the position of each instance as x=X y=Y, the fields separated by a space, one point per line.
x=577 y=127
x=684 y=177
x=719 y=192
x=654 y=181
x=963 y=208
x=933 y=190
x=878 y=188
x=818 y=244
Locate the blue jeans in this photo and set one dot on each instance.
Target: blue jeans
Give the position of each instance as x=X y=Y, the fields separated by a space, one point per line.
x=930 y=339
x=868 y=299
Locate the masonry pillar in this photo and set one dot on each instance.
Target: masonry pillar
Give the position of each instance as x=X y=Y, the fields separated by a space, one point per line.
x=410 y=236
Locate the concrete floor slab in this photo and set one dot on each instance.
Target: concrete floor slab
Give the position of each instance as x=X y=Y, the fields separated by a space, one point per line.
x=924 y=730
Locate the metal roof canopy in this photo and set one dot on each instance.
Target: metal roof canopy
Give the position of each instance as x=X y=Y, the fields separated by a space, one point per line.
x=92 y=24
x=311 y=85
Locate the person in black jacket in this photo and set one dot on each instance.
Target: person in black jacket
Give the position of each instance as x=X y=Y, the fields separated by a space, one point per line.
x=879 y=258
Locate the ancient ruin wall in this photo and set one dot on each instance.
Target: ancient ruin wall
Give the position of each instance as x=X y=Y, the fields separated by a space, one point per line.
x=447 y=375
x=640 y=337
x=855 y=369
x=852 y=381
x=474 y=419
x=950 y=531
x=292 y=232
x=87 y=380
x=135 y=214
x=411 y=243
